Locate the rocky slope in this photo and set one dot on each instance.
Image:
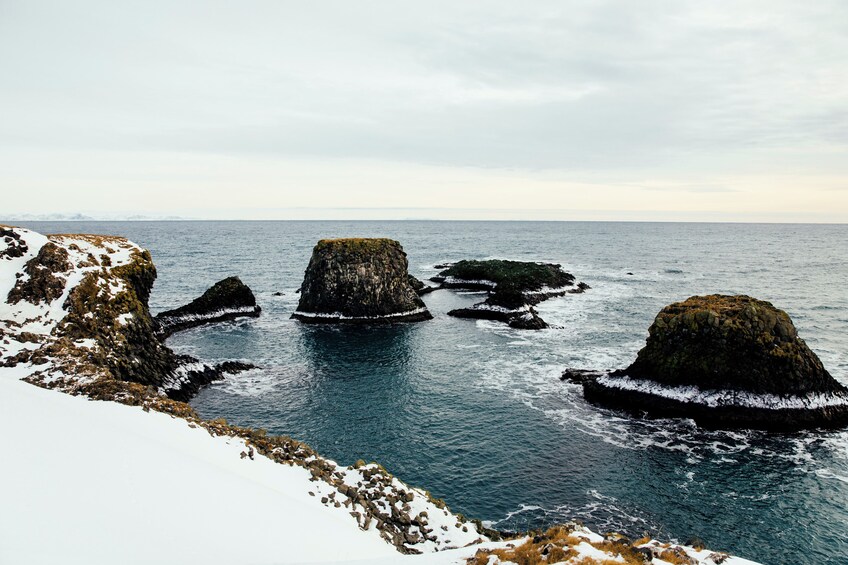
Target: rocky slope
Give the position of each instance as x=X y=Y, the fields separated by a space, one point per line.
x=76 y=310
x=227 y=299
x=728 y=361
x=359 y=281
x=514 y=288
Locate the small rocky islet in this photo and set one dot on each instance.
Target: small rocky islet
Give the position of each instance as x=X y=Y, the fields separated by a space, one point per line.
x=359 y=281
x=514 y=287
x=227 y=299
x=726 y=362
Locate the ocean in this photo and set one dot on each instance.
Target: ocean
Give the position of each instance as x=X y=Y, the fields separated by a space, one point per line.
x=474 y=411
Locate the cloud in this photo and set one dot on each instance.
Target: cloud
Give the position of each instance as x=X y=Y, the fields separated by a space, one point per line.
x=688 y=93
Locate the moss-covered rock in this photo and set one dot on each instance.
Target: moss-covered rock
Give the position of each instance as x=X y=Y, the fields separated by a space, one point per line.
x=513 y=286
x=225 y=300
x=731 y=361
x=521 y=276
x=730 y=342
x=358 y=280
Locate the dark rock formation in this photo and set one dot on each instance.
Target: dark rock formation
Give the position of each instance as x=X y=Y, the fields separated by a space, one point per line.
x=420 y=287
x=726 y=361
x=225 y=300
x=15 y=245
x=513 y=286
x=103 y=333
x=358 y=281
x=42 y=284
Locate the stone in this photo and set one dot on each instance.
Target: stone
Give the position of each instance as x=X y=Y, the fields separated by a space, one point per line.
x=513 y=286
x=359 y=281
x=227 y=299
x=730 y=362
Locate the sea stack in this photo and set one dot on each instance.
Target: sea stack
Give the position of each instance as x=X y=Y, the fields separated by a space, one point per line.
x=227 y=299
x=729 y=362
x=359 y=280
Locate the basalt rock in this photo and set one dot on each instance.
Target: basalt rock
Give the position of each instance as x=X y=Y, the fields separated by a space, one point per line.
x=513 y=287
x=726 y=361
x=78 y=312
x=225 y=300
x=359 y=280
x=420 y=287
x=41 y=283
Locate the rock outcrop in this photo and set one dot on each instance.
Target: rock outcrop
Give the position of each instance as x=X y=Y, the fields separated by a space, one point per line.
x=358 y=281
x=726 y=361
x=227 y=299
x=76 y=311
x=514 y=288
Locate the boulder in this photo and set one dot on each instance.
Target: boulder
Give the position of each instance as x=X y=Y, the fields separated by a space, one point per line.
x=726 y=361
x=359 y=280
x=513 y=287
x=225 y=300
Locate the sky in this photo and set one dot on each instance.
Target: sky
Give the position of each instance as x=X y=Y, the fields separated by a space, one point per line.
x=670 y=110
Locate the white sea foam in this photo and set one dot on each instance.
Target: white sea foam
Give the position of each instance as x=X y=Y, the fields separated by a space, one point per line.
x=340 y=316
x=168 y=321
x=719 y=398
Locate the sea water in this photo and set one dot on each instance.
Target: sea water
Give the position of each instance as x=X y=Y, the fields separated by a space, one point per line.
x=475 y=412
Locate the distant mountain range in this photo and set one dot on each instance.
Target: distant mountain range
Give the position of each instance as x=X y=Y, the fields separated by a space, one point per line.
x=85 y=218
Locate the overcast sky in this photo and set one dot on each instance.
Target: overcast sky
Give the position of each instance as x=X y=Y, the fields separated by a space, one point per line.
x=670 y=110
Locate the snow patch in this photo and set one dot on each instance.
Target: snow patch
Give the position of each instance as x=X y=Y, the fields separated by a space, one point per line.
x=719 y=398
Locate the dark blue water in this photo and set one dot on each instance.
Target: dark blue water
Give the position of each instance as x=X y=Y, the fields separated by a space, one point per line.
x=475 y=412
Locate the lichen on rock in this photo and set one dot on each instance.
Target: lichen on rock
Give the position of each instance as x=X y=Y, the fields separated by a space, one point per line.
x=730 y=361
x=359 y=280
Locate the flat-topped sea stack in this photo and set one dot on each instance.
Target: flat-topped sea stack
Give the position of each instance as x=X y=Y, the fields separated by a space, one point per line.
x=359 y=281
x=729 y=362
x=513 y=286
x=225 y=300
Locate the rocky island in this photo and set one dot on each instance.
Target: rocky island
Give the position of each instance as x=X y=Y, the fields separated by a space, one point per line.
x=725 y=361
x=359 y=281
x=514 y=288
x=227 y=299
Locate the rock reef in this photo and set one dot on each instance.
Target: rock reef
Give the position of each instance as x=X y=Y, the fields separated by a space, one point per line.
x=726 y=361
x=227 y=299
x=514 y=288
x=359 y=281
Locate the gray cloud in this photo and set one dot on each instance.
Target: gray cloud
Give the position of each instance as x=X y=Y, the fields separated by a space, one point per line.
x=624 y=89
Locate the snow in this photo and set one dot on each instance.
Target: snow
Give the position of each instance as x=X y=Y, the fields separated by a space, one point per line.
x=42 y=318
x=174 y=320
x=502 y=309
x=451 y=280
x=99 y=482
x=716 y=398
